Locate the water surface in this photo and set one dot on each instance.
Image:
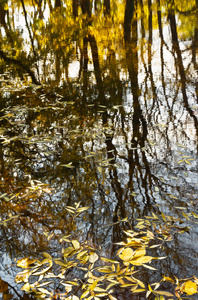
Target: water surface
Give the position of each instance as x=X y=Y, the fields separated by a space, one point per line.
x=97 y=107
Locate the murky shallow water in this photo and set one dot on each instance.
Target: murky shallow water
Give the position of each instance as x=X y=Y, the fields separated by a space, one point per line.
x=113 y=126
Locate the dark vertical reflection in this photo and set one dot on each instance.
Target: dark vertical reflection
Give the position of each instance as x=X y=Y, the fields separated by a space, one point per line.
x=176 y=48
x=139 y=123
x=57 y=3
x=107 y=7
x=75 y=8
x=95 y=57
x=86 y=7
x=85 y=66
x=128 y=16
x=195 y=48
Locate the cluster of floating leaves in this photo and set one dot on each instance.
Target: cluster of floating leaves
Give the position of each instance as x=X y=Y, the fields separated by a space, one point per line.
x=84 y=273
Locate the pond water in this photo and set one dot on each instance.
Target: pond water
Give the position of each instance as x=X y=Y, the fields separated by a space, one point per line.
x=98 y=106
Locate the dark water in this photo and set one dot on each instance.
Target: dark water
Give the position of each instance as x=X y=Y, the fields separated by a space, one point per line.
x=103 y=111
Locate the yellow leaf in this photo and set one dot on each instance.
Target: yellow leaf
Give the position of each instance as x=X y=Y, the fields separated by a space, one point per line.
x=26 y=287
x=139 y=253
x=150 y=288
x=81 y=254
x=25 y=262
x=168 y=279
x=102 y=294
x=149 y=267
x=44 y=291
x=196 y=279
x=141 y=260
x=99 y=169
x=164 y=293
x=109 y=260
x=190 y=287
x=126 y=254
x=139 y=282
x=94 y=284
x=194 y=215
x=84 y=294
x=155 y=217
x=22 y=277
x=185 y=216
x=46 y=269
x=111 y=297
x=76 y=244
x=138 y=290
x=98 y=289
x=93 y=257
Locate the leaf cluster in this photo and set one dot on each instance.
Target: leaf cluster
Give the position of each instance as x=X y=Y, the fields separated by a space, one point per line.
x=83 y=272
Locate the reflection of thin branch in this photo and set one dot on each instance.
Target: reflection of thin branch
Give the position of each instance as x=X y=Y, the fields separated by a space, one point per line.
x=20 y=64
x=191 y=11
x=32 y=42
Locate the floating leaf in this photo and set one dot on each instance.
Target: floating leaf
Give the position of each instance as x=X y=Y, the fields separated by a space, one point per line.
x=126 y=254
x=185 y=216
x=99 y=169
x=172 y=196
x=138 y=253
x=168 y=279
x=138 y=290
x=26 y=287
x=85 y=294
x=93 y=257
x=22 y=276
x=69 y=165
x=190 y=287
x=81 y=254
x=25 y=262
x=164 y=293
x=141 y=260
x=43 y=271
x=149 y=267
x=109 y=260
x=111 y=297
x=194 y=215
x=44 y=291
x=75 y=244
